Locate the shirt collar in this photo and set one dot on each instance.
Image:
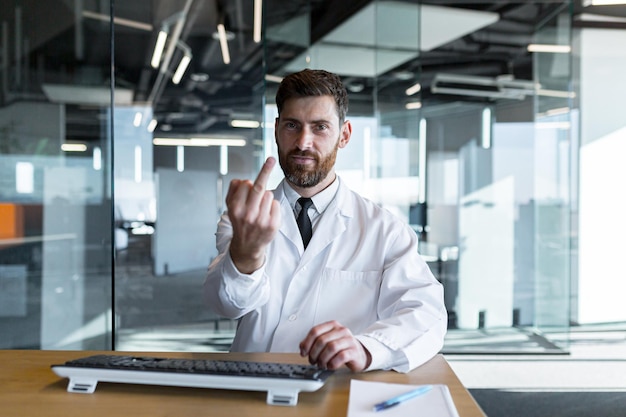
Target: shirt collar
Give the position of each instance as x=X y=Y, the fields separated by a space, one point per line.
x=321 y=200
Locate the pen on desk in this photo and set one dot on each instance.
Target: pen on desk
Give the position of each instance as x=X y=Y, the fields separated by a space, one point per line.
x=402 y=398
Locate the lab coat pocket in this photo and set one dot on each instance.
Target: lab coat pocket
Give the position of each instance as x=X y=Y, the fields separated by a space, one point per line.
x=348 y=297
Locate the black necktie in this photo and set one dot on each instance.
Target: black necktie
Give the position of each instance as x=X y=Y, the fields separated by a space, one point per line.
x=303 y=220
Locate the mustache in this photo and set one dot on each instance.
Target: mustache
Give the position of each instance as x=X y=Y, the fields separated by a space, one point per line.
x=303 y=154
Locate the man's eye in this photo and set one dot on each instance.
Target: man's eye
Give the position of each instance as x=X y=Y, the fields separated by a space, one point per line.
x=290 y=125
x=322 y=127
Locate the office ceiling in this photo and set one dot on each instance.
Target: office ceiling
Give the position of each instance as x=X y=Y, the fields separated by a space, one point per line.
x=481 y=38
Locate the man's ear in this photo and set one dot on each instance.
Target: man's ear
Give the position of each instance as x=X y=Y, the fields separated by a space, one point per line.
x=346 y=133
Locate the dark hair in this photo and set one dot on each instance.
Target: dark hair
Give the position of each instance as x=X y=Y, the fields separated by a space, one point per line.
x=313 y=83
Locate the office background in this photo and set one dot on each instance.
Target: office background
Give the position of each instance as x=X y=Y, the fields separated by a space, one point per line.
x=495 y=128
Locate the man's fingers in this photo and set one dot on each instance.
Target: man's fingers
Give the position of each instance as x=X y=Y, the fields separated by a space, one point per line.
x=314 y=334
x=248 y=196
x=261 y=180
x=232 y=189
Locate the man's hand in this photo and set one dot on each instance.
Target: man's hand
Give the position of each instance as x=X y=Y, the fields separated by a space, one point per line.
x=255 y=217
x=330 y=345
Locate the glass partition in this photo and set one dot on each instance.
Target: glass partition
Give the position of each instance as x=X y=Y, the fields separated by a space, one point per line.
x=55 y=192
x=195 y=123
x=499 y=191
x=108 y=213
x=555 y=145
x=451 y=135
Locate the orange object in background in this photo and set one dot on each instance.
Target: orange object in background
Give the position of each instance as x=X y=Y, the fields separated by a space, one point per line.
x=11 y=221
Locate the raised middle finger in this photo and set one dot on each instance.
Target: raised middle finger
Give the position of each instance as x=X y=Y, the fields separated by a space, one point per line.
x=260 y=183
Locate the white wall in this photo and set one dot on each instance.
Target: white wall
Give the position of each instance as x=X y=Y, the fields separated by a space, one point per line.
x=602 y=224
x=184 y=238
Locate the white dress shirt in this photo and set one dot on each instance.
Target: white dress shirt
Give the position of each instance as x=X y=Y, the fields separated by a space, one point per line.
x=361 y=268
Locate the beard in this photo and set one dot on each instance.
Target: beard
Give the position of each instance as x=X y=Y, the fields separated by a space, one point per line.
x=301 y=176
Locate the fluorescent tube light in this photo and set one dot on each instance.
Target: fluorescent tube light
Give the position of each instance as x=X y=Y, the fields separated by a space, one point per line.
x=73 y=147
x=415 y=88
x=97 y=158
x=273 y=78
x=221 y=31
x=413 y=105
x=152 y=125
x=198 y=141
x=223 y=159
x=602 y=2
x=180 y=158
x=138 y=168
x=118 y=21
x=555 y=93
x=485 y=141
x=137 y=119
x=558 y=111
x=158 y=49
x=182 y=67
x=258 y=20
x=422 y=162
x=251 y=124
x=557 y=49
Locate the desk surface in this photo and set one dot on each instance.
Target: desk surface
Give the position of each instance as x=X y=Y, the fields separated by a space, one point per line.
x=28 y=387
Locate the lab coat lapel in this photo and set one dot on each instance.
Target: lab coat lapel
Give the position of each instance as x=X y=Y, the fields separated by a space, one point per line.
x=289 y=227
x=332 y=224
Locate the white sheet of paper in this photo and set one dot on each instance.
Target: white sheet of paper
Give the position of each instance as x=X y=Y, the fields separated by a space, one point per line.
x=364 y=394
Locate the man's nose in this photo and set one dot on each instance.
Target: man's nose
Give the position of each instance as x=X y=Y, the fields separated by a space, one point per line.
x=304 y=140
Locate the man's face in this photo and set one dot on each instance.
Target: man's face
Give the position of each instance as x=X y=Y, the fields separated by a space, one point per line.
x=308 y=135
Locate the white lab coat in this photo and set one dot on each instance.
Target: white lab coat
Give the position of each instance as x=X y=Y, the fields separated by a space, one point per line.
x=361 y=268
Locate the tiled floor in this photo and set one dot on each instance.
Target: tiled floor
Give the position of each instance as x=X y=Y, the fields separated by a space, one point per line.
x=596 y=360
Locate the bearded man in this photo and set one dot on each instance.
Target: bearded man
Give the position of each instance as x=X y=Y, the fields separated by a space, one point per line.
x=350 y=289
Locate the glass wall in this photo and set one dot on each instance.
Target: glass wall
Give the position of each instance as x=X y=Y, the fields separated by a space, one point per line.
x=474 y=152
x=55 y=189
x=467 y=158
x=459 y=129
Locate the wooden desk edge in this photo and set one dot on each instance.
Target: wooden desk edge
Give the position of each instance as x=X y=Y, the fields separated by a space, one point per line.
x=27 y=373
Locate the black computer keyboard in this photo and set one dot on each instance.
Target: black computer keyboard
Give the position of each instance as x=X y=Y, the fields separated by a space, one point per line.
x=282 y=381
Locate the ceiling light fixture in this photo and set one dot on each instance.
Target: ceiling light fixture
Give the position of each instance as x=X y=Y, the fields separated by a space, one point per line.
x=152 y=125
x=250 y=124
x=137 y=119
x=422 y=161
x=503 y=86
x=258 y=20
x=183 y=64
x=486 y=128
x=273 y=78
x=221 y=32
x=182 y=67
x=199 y=141
x=118 y=21
x=179 y=20
x=413 y=105
x=415 y=88
x=73 y=147
x=557 y=49
x=159 y=46
x=602 y=2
